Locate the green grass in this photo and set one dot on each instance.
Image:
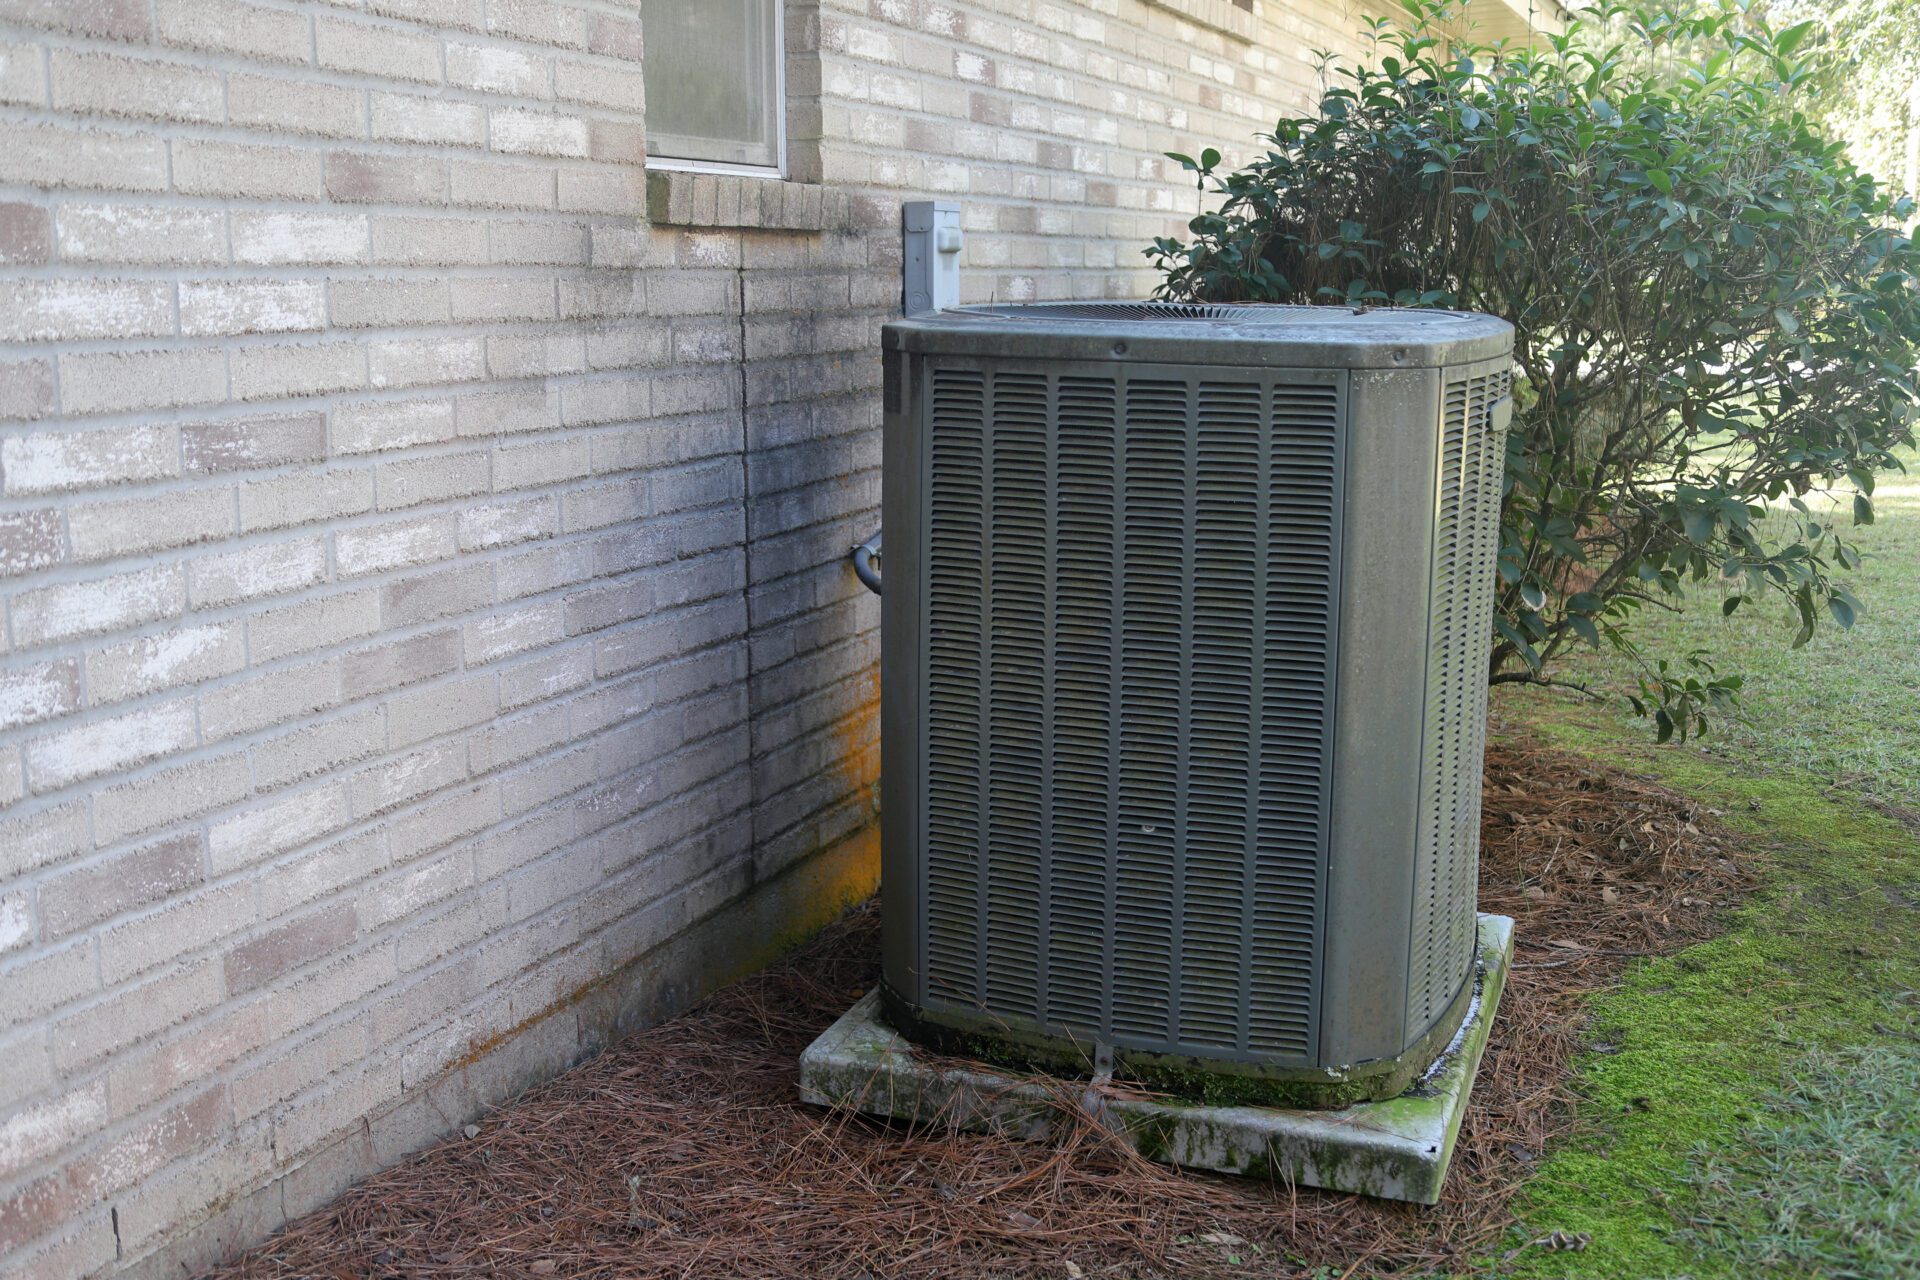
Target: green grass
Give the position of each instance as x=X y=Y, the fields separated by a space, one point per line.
x=1718 y=1083
x=1843 y=708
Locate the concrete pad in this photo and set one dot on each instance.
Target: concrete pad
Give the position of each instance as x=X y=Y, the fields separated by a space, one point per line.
x=1398 y=1149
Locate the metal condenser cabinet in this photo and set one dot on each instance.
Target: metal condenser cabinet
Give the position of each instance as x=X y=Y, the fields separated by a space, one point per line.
x=1184 y=685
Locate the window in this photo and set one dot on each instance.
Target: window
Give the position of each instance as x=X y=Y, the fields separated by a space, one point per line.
x=714 y=83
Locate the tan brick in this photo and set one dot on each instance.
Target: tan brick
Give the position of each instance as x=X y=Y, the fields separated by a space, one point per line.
x=310 y=1061
x=136 y=878
x=277 y=697
x=16 y=922
x=303 y=497
x=241 y=444
x=167 y=796
x=400 y=117
x=13 y=777
x=312 y=624
x=150 y=664
x=375 y=425
x=142 y=1078
x=390 y=52
x=111 y=745
x=279 y=951
x=540 y=21
x=238 y=169
x=412 y=481
x=26 y=389
x=439 y=593
x=47 y=980
x=607 y=189
x=71 y=308
x=488 y=184
x=399 y=662
x=75 y=609
x=235 y=576
x=318 y=748
x=539 y=244
x=108 y=530
x=114 y=19
x=298 y=239
x=420 y=714
x=26 y=238
x=616 y=36
x=53 y=156
x=499 y=69
x=429 y=241
x=393 y=545
x=118 y=381
x=296 y=106
x=387 y=304
x=501 y=524
x=30 y=541
x=382 y=179
x=144 y=235
x=505 y=412
x=251 y=306
x=466 y=15
x=108 y=84
x=273 y=372
x=599 y=84
x=234 y=26
x=502 y=298
x=135 y=1013
x=173 y=929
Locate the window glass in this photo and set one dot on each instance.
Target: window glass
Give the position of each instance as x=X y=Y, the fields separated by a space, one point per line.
x=713 y=80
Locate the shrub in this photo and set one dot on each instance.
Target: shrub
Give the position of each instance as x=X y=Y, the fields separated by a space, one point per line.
x=1713 y=309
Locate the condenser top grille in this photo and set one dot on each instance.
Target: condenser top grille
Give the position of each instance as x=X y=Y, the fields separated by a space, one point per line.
x=1243 y=333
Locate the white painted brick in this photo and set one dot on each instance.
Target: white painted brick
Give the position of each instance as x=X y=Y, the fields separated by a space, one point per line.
x=537 y=133
x=30 y=694
x=272 y=828
x=251 y=306
x=504 y=523
x=376 y=425
x=501 y=635
x=138 y=234
x=165 y=661
x=272 y=372
x=499 y=69
x=73 y=308
x=411 y=481
x=109 y=746
x=13 y=776
x=376 y=548
x=89 y=608
x=273 y=239
x=235 y=576
x=418 y=362
x=48 y=462
x=442 y=121
x=16 y=922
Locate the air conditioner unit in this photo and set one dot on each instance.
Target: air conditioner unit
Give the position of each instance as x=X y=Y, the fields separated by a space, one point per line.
x=1186 y=631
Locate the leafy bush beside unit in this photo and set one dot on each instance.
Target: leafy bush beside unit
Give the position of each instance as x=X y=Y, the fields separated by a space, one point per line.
x=1716 y=313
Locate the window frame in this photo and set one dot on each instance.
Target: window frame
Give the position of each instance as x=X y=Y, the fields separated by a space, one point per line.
x=778 y=169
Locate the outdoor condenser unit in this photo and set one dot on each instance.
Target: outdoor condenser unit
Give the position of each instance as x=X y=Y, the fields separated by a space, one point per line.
x=1185 y=654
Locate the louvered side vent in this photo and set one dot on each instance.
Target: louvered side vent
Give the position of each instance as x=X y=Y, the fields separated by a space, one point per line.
x=1466 y=533
x=1130 y=588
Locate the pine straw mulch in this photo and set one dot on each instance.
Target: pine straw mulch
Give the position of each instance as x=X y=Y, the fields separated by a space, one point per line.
x=681 y=1151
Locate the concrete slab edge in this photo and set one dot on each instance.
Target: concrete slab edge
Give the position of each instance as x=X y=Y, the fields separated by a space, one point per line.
x=1397 y=1149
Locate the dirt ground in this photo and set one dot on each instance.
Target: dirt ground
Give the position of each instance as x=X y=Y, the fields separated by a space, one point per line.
x=681 y=1151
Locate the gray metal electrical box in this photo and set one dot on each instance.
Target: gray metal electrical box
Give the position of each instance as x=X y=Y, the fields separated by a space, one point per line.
x=1184 y=685
x=930 y=256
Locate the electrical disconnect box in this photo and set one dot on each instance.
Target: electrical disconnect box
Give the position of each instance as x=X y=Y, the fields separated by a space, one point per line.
x=931 y=264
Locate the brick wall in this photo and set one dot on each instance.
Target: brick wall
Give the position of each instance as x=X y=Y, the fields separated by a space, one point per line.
x=425 y=645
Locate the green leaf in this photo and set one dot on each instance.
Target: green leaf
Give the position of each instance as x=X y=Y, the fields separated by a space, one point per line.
x=1842 y=611
x=1862 y=509
x=1663 y=723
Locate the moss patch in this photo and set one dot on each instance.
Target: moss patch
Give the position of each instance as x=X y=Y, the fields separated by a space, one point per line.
x=1693 y=1048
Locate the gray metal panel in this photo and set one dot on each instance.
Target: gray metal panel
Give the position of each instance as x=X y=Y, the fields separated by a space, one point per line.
x=1124 y=814
x=903 y=624
x=1385 y=582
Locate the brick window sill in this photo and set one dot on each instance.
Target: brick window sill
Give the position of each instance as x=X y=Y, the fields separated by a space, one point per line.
x=681 y=199
x=1216 y=15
